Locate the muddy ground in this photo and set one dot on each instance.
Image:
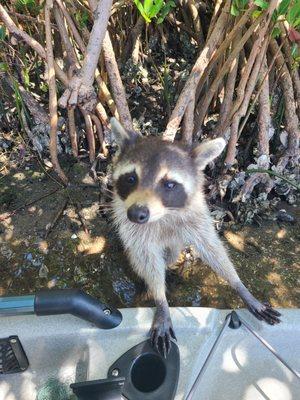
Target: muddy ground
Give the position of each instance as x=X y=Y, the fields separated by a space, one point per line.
x=37 y=253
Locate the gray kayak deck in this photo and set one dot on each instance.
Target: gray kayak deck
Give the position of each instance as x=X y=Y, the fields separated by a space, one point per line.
x=241 y=368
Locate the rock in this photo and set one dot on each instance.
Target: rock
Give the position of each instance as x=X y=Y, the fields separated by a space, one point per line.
x=263 y=161
x=5 y=144
x=52 y=283
x=5 y=252
x=125 y=290
x=18 y=272
x=37 y=262
x=291 y=199
x=282 y=189
x=195 y=299
x=283 y=216
x=28 y=257
x=43 y=271
x=284 y=138
x=74 y=236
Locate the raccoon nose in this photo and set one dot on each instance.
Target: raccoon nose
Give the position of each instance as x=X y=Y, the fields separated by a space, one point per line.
x=138 y=214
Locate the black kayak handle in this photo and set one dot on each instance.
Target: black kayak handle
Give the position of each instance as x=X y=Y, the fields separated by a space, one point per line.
x=77 y=303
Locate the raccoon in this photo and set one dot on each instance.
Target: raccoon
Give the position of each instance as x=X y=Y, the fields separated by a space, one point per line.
x=159 y=208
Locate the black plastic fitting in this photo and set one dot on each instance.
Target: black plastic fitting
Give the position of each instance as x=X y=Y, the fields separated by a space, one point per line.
x=235 y=321
x=77 y=303
x=102 y=389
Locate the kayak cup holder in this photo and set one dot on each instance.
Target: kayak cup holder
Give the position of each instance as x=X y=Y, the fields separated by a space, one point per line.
x=148 y=375
x=148 y=372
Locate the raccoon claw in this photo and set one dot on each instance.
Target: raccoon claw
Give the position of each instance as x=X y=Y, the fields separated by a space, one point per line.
x=161 y=335
x=264 y=312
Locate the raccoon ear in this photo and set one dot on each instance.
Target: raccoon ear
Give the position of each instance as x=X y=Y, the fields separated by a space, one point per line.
x=121 y=135
x=205 y=152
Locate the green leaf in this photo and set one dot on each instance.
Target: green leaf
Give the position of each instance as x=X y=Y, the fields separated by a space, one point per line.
x=241 y=4
x=256 y=14
x=141 y=10
x=293 y=13
x=2 y=33
x=26 y=77
x=82 y=17
x=139 y=4
x=25 y=6
x=262 y=4
x=3 y=67
x=148 y=4
x=276 y=32
x=297 y=22
x=294 y=50
x=237 y=6
x=156 y=8
x=170 y=4
x=283 y=7
x=44 y=87
x=234 y=10
x=165 y=11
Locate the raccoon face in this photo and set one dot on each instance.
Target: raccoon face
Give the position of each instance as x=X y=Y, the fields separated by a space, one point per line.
x=154 y=178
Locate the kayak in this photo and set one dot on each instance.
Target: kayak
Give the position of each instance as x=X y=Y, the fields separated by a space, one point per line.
x=219 y=355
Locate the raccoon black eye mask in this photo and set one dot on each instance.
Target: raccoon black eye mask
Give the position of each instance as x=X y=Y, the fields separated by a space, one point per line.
x=172 y=194
x=126 y=184
x=157 y=217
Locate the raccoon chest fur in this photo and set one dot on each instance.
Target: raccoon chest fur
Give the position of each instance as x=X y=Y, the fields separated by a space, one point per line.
x=160 y=235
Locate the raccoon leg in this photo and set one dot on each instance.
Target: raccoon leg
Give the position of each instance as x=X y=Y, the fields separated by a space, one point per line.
x=162 y=329
x=150 y=266
x=212 y=251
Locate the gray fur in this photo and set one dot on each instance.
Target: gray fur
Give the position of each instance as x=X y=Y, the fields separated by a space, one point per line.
x=153 y=245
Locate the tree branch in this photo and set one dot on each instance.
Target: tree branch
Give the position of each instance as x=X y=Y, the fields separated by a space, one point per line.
x=116 y=83
x=291 y=118
x=52 y=94
x=191 y=84
x=203 y=105
x=24 y=37
x=115 y=79
x=80 y=90
x=188 y=123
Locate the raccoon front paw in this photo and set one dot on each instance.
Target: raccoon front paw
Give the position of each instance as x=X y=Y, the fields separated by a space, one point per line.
x=264 y=312
x=161 y=333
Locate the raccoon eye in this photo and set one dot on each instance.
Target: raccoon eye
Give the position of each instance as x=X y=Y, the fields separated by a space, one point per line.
x=131 y=179
x=170 y=185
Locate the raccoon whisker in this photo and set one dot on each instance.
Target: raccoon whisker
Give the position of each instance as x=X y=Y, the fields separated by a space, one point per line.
x=106 y=210
x=105 y=206
x=104 y=189
x=107 y=195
